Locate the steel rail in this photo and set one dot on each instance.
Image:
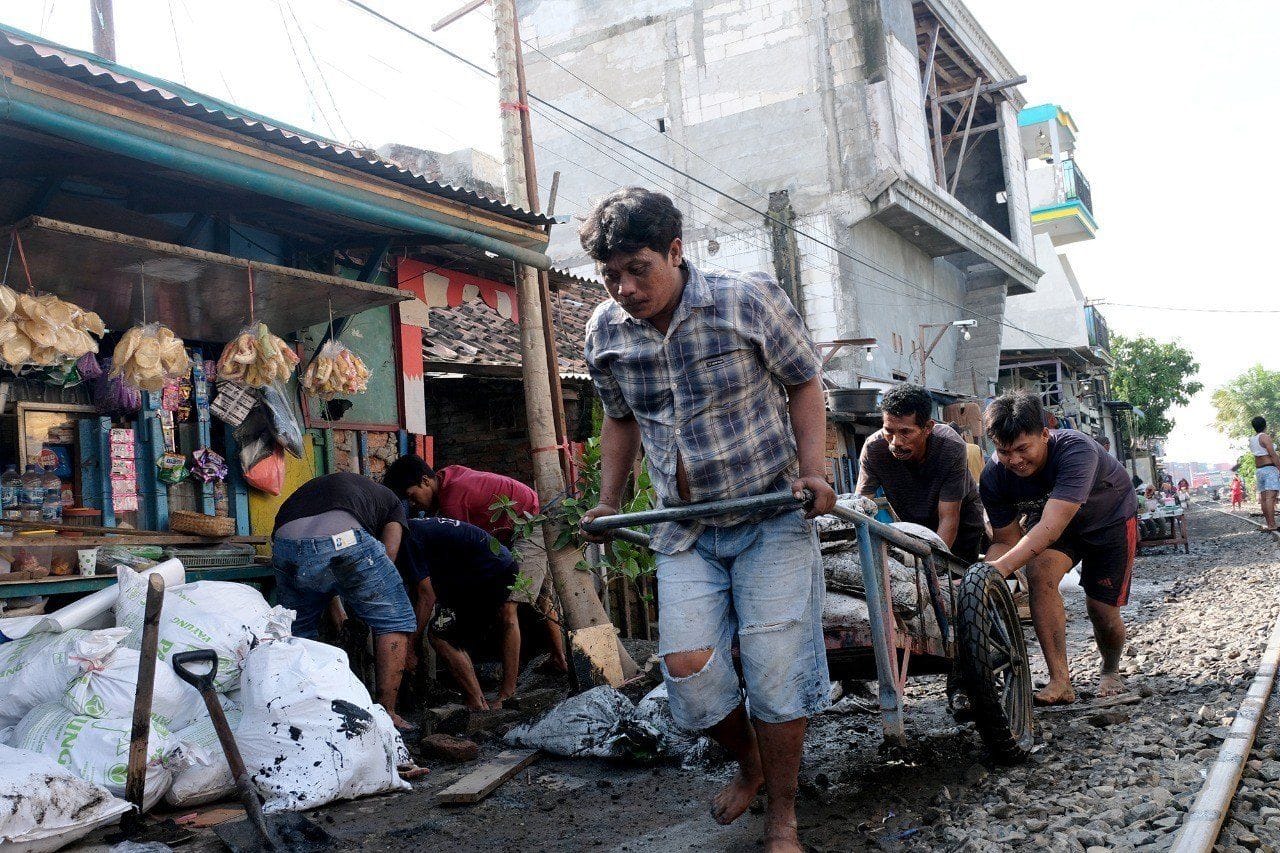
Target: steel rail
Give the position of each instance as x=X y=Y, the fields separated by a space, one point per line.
x=1200 y=828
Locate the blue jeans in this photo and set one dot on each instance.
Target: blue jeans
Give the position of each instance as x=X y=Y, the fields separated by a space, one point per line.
x=309 y=572
x=761 y=582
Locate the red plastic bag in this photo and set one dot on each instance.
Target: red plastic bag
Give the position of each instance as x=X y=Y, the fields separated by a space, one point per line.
x=267 y=475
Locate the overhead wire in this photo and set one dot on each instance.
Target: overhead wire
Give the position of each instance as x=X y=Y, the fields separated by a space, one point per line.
x=306 y=42
x=177 y=44
x=306 y=81
x=848 y=253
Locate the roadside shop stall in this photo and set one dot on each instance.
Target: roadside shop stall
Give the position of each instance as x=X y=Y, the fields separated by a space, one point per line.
x=180 y=388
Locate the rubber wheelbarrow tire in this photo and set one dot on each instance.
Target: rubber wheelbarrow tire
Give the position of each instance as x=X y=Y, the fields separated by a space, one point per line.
x=994 y=665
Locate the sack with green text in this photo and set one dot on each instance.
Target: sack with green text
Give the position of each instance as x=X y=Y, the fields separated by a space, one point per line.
x=98 y=750
x=230 y=618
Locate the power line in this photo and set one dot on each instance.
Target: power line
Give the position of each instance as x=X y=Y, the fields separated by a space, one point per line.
x=177 y=44
x=853 y=256
x=302 y=71
x=306 y=42
x=1189 y=309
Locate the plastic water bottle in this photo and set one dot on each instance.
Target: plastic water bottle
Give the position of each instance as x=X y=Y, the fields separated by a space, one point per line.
x=51 y=507
x=11 y=492
x=32 y=497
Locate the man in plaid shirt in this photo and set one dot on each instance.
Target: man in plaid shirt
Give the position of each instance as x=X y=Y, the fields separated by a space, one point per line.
x=715 y=376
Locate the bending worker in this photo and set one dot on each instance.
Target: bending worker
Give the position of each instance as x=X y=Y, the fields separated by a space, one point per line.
x=339 y=535
x=715 y=376
x=465 y=494
x=463 y=583
x=1079 y=506
x=922 y=467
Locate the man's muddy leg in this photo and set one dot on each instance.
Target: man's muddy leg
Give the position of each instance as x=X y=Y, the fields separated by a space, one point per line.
x=1044 y=573
x=389 y=652
x=781 y=745
x=1109 y=633
x=735 y=734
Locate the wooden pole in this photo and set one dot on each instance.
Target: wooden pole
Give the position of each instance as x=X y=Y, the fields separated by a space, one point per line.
x=583 y=613
x=103 y=23
x=136 y=769
x=964 y=140
x=544 y=281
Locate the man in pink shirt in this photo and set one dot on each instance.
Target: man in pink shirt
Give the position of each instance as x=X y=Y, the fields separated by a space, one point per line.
x=466 y=494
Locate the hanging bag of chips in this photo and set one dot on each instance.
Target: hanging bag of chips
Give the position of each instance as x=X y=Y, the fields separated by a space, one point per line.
x=257 y=358
x=335 y=371
x=42 y=330
x=148 y=356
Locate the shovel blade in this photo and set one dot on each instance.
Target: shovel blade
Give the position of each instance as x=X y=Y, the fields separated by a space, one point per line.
x=290 y=833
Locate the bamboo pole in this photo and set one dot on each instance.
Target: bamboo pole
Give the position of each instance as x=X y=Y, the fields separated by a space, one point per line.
x=582 y=611
x=1203 y=822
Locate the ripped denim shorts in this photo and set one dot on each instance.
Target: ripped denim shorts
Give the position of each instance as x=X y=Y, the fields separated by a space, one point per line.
x=760 y=583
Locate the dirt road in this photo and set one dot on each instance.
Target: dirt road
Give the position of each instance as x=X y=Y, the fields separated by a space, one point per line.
x=1118 y=779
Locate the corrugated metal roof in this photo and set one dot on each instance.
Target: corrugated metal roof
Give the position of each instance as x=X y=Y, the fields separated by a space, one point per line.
x=165 y=95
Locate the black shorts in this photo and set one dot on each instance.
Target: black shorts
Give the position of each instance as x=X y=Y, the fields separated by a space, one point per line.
x=1106 y=560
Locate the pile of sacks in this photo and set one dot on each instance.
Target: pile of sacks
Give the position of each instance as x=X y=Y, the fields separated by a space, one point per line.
x=308 y=730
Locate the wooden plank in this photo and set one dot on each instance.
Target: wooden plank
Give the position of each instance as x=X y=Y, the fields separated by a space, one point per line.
x=964 y=146
x=483 y=781
x=118 y=536
x=928 y=68
x=985 y=89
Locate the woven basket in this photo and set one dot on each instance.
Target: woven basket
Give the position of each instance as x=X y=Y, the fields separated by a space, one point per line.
x=182 y=521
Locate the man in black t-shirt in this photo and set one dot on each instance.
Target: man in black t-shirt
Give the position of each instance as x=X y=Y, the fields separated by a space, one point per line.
x=464 y=579
x=923 y=468
x=339 y=535
x=1055 y=498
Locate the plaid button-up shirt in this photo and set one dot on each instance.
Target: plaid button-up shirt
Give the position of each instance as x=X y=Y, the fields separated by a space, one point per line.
x=710 y=393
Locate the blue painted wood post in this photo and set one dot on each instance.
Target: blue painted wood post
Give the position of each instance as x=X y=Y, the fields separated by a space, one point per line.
x=204 y=431
x=151 y=444
x=403 y=437
x=102 y=439
x=90 y=463
x=237 y=489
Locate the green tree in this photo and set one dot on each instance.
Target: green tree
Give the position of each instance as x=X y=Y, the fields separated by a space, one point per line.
x=1252 y=393
x=1154 y=376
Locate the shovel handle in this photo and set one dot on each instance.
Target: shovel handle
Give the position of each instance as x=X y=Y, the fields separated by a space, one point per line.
x=201 y=681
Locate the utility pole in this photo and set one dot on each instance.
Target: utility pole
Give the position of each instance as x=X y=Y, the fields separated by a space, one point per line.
x=590 y=631
x=102 y=21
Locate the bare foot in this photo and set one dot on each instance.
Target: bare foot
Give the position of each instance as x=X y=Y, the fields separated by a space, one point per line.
x=735 y=797
x=1056 y=693
x=477 y=704
x=1110 y=684
x=781 y=836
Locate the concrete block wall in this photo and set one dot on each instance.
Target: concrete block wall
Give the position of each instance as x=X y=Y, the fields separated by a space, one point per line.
x=479 y=423
x=978 y=359
x=1015 y=176
x=908 y=111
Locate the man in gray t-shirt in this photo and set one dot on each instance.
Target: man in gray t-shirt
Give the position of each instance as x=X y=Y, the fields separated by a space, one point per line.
x=923 y=468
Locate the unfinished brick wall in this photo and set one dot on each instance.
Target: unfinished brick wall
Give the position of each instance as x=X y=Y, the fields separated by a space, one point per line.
x=480 y=423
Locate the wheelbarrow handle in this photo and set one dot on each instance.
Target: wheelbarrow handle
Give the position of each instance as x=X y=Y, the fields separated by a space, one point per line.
x=686 y=512
x=201 y=681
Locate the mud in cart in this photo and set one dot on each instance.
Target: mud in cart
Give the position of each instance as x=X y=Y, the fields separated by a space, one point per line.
x=899 y=604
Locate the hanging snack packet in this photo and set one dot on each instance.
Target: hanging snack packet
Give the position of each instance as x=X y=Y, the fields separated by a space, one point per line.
x=173 y=468
x=207 y=466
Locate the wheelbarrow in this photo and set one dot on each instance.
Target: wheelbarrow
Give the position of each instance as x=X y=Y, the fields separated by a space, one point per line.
x=979 y=637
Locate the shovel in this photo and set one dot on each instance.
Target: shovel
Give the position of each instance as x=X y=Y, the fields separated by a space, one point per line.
x=288 y=832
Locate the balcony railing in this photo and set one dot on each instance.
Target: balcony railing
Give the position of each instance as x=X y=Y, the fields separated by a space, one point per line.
x=1099 y=336
x=1076 y=185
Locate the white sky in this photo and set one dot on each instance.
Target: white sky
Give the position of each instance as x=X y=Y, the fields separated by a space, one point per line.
x=1176 y=106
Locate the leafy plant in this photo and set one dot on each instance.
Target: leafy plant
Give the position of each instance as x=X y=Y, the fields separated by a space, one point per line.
x=1153 y=376
x=624 y=558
